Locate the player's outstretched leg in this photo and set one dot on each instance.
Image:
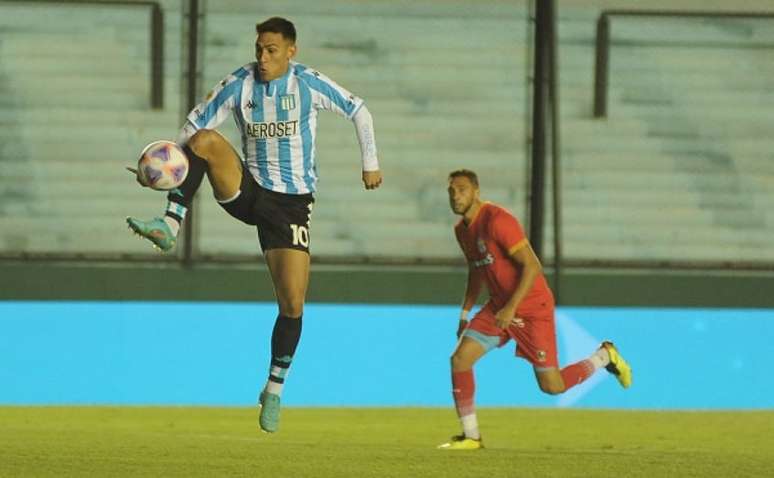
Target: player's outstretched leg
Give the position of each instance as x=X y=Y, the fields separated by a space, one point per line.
x=208 y=152
x=162 y=231
x=617 y=366
x=606 y=356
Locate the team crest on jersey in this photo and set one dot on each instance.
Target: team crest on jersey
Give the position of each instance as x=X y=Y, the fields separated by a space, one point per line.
x=287 y=102
x=481 y=246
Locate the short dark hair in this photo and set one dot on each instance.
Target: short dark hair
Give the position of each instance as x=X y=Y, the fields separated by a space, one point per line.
x=277 y=25
x=466 y=173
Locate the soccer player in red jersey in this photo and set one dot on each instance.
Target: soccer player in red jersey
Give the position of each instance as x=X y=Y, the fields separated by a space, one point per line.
x=520 y=307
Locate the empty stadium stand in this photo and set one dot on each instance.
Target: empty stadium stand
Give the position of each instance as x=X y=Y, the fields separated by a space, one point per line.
x=681 y=169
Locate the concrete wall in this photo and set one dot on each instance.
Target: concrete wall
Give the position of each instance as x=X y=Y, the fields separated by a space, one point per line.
x=371 y=284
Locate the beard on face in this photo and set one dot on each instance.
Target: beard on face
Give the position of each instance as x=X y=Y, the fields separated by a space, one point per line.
x=460 y=208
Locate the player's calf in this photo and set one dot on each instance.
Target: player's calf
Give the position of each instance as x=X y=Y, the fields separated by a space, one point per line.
x=550 y=381
x=552 y=388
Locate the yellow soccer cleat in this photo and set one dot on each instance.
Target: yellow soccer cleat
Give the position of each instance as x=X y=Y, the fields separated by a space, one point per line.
x=617 y=365
x=461 y=442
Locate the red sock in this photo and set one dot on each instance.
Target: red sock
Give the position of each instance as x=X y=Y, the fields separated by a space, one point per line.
x=463 y=388
x=576 y=373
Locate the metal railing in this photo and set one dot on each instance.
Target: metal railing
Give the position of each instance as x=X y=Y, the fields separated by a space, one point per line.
x=156 y=39
x=545 y=132
x=602 y=46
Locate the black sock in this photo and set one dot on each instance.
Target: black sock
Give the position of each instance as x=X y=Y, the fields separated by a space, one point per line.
x=184 y=193
x=284 y=340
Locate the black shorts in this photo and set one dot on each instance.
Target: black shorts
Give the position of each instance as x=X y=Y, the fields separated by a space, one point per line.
x=282 y=219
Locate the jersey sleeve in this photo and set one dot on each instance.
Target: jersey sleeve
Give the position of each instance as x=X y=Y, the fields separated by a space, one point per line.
x=328 y=95
x=507 y=232
x=364 y=128
x=216 y=106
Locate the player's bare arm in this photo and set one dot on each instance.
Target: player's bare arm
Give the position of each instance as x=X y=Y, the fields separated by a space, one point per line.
x=524 y=256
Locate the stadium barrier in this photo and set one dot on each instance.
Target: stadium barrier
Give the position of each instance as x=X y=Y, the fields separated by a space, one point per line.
x=156 y=33
x=185 y=353
x=602 y=43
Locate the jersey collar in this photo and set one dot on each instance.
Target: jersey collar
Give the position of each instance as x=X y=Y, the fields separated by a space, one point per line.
x=270 y=87
x=478 y=214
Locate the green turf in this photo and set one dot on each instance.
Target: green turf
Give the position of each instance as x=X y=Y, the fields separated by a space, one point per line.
x=399 y=442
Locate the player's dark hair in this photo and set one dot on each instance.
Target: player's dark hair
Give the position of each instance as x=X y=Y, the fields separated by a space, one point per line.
x=465 y=173
x=277 y=25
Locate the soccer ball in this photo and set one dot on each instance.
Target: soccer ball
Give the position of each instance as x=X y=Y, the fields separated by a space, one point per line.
x=162 y=166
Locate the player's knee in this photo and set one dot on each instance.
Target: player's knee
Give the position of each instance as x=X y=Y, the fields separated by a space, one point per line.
x=203 y=142
x=292 y=307
x=460 y=363
x=551 y=388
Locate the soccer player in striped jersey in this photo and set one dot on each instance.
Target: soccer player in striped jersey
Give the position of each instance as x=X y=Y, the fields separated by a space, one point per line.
x=520 y=307
x=275 y=102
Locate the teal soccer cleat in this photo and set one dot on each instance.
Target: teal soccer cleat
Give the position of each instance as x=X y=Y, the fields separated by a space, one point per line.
x=156 y=230
x=268 y=419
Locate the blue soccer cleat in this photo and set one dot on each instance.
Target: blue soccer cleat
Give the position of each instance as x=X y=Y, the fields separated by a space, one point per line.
x=156 y=230
x=268 y=419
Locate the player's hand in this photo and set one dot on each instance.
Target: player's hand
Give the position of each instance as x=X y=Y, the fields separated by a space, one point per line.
x=461 y=327
x=372 y=179
x=504 y=319
x=137 y=176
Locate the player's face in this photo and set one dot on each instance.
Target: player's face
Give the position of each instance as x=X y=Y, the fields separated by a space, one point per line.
x=273 y=53
x=462 y=194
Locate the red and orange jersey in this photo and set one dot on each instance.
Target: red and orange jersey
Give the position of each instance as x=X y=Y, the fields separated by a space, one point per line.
x=485 y=243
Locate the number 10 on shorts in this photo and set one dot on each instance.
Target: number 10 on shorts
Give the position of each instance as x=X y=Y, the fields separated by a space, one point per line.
x=300 y=235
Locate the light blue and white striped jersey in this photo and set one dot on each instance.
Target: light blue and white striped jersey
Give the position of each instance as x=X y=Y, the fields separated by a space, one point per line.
x=277 y=121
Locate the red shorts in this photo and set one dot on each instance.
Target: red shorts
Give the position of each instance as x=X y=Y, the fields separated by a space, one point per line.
x=535 y=338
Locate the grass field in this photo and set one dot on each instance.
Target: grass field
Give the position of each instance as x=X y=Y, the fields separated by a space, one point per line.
x=399 y=442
